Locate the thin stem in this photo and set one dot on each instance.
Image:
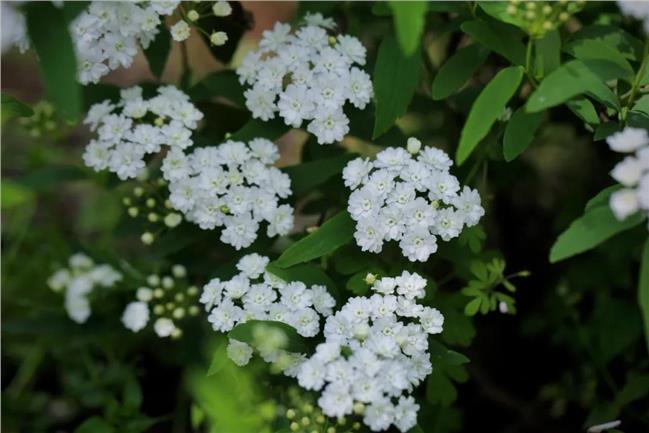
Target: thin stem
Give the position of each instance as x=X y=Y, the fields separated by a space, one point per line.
x=636 y=81
x=528 y=61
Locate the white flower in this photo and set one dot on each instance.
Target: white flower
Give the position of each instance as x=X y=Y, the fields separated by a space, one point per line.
x=164 y=327
x=218 y=38
x=305 y=78
x=628 y=140
x=336 y=400
x=221 y=8
x=180 y=31
x=411 y=201
x=240 y=353
x=136 y=316
x=632 y=173
x=624 y=203
x=122 y=144
x=78 y=282
x=405 y=413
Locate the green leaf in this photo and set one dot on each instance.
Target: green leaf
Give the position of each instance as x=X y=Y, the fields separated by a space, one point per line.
x=308 y=175
x=584 y=109
x=49 y=35
x=94 y=425
x=497 y=38
x=548 y=53
x=594 y=227
x=486 y=109
x=472 y=307
x=256 y=128
x=14 y=194
x=395 y=79
x=12 y=107
x=439 y=388
x=616 y=38
x=602 y=197
x=219 y=359
x=498 y=10
x=51 y=176
x=305 y=272
x=132 y=393
x=334 y=233
x=642 y=105
x=222 y=83
x=520 y=132
x=458 y=69
x=569 y=80
x=254 y=332
x=441 y=355
x=643 y=289
x=409 y=20
x=158 y=51
x=591 y=49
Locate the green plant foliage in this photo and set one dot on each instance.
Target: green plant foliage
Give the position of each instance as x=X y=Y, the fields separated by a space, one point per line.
x=457 y=70
x=409 y=20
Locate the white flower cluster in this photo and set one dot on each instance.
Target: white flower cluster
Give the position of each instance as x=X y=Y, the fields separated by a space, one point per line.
x=397 y=197
x=638 y=9
x=632 y=172
x=375 y=353
x=307 y=76
x=135 y=127
x=13 y=28
x=107 y=34
x=232 y=185
x=78 y=282
x=255 y=294
x=168 y=298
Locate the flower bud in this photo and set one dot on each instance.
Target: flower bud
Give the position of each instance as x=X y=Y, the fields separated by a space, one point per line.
x=138 y=191
x=305 y=421
x=413 y=145
x=158 y=309
x=153 y=280
x=193 y=15
x=193 y=310
x=218 y=38
x=176 y=333
x=153 y=217
x=150 y=202
x=147 y=238
x=192 y=291
x=172 y=220
x=222 y=8
x=167 y=282
x=133 y=211
x=158 y=293
x=294 y=426
x=179 y=271
x=290 y=414
x=178 y=313
x=127 y=201
x=370 y=278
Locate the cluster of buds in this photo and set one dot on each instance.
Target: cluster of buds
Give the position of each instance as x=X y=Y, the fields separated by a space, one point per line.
x=540 y=17
x=170 y=298
x=148 y=204
x=303 y=416
x=182 y=29
x=42 y=122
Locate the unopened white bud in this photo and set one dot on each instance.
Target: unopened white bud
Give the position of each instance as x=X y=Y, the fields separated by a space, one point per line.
x=218 y=38
x=413 y=145
x=222 y=8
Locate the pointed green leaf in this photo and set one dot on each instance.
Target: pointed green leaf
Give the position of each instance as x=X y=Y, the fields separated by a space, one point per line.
x=48 y=32
x=308 y=175
x=395 y=79
x=458 y=69
x=584 y=109
x=520 y=132
x=254 y=332
x=497 y=38
x=334 y=233
x=569 y=80
x=409 y=20
x=586 y=232
x=592 y=49
x=12 y=107
x=487 y=108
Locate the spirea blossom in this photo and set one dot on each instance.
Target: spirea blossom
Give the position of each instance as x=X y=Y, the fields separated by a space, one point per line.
x=307 y=75
x=108 y=34
x=168 y=299
x=632 y=172
x=135 y=126
x=408 y=197
x=78 y=281
x=13 y=28
x=233 y=186
x=254 y=294
x=375 y=353
x=636 y=9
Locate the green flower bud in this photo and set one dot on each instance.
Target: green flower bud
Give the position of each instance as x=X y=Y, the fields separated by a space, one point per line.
x=147 y=238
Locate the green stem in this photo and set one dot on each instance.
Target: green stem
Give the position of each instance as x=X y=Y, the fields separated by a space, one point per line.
x=528 y=61
x=636 y=82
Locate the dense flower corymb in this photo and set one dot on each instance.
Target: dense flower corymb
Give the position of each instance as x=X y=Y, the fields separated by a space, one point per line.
x=410 y=200
x=255 y=294
x=307 y=76
x=375 y=352
x=233 y=186
x=78 y=282
x=135 y=127
x=108 y=34
x=632 y=172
